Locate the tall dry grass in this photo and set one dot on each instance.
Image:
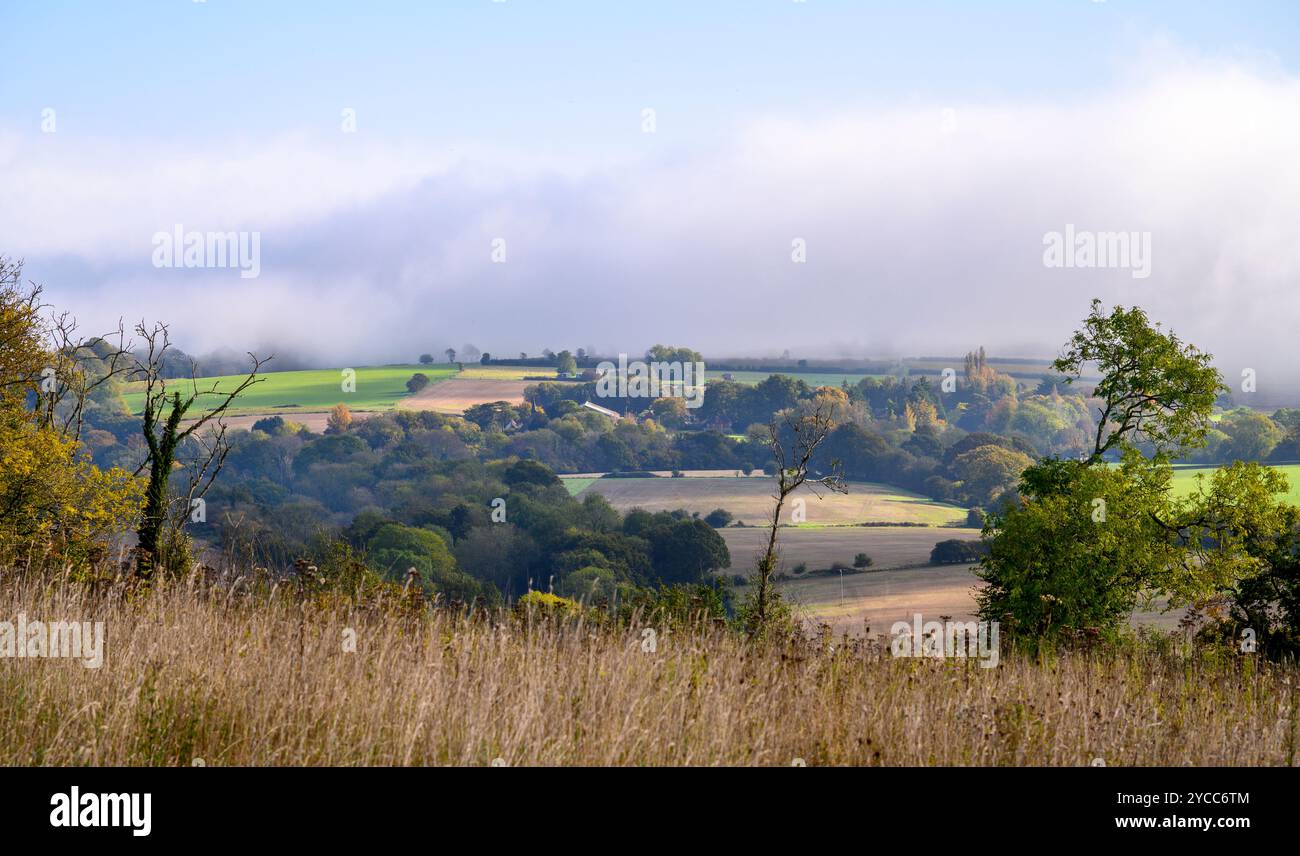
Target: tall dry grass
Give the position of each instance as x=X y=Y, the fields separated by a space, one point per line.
x=195 y=673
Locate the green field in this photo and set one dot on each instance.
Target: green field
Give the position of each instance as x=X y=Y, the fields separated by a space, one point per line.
x=377 y=388
x=1185 y=479
x=576 y=486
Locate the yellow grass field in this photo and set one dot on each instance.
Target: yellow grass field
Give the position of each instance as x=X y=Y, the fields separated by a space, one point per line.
x=899 y=583
x=750 y=500
x=888 y=546
x=195 y=675
x=829 y=534
x=480 y=372
x=869 y=603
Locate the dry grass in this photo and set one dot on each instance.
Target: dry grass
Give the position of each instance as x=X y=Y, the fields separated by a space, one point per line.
x=821 y=546
x=198 y=674
x=750 y=500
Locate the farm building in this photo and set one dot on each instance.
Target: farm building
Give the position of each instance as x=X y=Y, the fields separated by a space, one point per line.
x=603 y=411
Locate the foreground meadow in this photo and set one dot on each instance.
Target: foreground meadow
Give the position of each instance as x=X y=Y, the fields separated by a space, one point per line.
x=201 y=675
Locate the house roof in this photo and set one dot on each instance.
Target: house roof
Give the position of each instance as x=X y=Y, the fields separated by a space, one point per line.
x=604 y=411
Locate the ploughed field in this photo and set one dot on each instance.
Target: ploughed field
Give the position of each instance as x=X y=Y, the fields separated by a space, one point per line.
x=458 y=394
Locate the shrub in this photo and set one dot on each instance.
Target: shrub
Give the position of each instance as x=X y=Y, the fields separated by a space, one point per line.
x=545 y=603
x=718 y=518
x=678 y=605
x=562 y=408
x=340 y=419
x=955 y=551
x=418 y=381
x=862 y=560
x=272 y=425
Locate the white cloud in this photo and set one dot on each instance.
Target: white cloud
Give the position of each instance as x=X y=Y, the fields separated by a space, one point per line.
x=923 y=227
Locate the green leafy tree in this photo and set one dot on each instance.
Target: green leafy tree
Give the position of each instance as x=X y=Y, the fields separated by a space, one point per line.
x=1263 y=588
x=493 y=416
x=417 y=382
x=270 y=425
x=986 y=472
x=1153 y=385
x=1233 y=523
x=1080 y=550
x=395 y=549
x=718 y=518
x=686 y=551
x=670 y=412
x=955 y=551
x=671 y=353
x=529 y=473
x=1087 y=540
x=1251 y=436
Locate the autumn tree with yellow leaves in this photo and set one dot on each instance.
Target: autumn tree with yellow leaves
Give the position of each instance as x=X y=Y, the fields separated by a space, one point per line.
x=55 y=505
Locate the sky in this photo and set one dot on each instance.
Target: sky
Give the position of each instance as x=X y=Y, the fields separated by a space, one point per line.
x=745 y=178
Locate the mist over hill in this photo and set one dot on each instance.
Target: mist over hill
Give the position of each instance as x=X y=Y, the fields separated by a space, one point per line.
x=909 y=228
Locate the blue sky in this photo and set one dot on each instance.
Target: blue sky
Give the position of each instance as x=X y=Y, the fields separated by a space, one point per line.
x=921 y=151
x=571 y=75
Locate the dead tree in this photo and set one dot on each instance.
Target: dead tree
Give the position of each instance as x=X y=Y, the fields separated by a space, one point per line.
x=793 y=440
x=165 y=409
x=47 y=363
x=79 y=367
